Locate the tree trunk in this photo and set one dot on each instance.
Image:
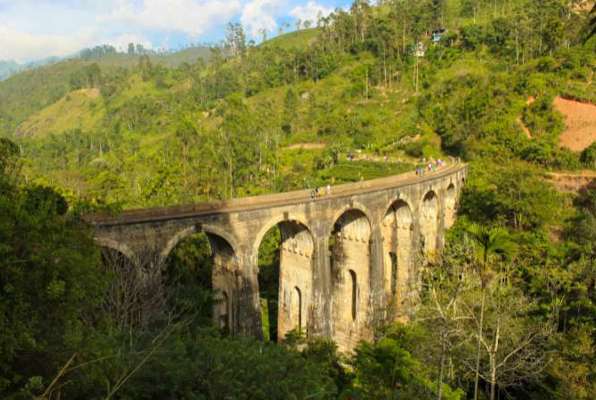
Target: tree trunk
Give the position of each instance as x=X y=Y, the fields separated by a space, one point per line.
x=480 y=329
x=403 y=38
x=441 y=369
x=416 y=74
x=366 y=85
x=493 y=380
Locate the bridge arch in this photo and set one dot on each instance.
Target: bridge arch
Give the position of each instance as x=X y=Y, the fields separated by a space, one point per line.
x=353 y=206
x=209 y=230
x=273 y=222
x=118 y=246
x=223 y=267
x=286 y=279
x=351 y=271
x=450 y=205
x=429 y=221
x=398 y=243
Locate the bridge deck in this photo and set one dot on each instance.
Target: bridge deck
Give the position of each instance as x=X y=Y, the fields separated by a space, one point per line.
x=269 y=200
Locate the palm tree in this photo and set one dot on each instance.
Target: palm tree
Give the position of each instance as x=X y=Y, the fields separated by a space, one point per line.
x=488 y=243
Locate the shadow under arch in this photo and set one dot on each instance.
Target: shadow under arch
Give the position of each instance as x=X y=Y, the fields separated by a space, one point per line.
x=450 y=205
x=134 y=297
x=210 y=230
x=350 y=263
x=429 y=221
x=217 y=264
x=397 y=229
x=286 y=220
x=353 y=206
x=117 y=246
x=285 y=250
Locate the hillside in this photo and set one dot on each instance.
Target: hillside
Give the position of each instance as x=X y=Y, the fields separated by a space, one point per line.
x=297 y=91
x=79 y=109
x=170 y=59
x=28 y=92
x=300 y=39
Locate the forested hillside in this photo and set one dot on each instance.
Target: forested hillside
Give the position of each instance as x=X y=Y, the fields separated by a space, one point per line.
x=507 y=311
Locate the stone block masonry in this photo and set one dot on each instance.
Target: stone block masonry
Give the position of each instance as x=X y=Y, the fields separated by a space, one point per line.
x=347 y=259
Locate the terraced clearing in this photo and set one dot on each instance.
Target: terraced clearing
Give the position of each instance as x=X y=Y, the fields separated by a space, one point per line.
x=572 y=181
x=78 y=109
x=580 y=122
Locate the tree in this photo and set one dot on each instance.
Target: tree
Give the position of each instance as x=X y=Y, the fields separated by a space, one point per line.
x=512 y=342
x=235 y=39
x=290 y=111
x=489 y=243
x=50 y=283
x=386 y=370
x=440 y=311
x=591 y=26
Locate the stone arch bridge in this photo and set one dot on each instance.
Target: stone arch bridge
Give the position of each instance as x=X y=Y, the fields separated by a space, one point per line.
x=347 y=258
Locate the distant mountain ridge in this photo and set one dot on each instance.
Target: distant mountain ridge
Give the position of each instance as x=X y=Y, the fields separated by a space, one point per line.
x=11 y=67
x=170 y=58
x=8 y=68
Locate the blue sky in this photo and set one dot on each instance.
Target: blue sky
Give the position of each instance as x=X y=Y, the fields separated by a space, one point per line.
x=35 y=29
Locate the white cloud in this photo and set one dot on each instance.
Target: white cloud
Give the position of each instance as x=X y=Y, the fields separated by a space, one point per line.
x=33 y=29
x=193 y=17
x=260 y=14
x=24 y=46
x=310 y=12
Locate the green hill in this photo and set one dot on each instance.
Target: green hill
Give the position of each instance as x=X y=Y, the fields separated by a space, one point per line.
x=352 y=87
x=79 y=109
x=28 y=92
x=171 y=59
x=300 y=39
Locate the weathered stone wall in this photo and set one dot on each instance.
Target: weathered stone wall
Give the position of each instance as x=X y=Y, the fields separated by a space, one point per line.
x=295 y=279
x=347 y=258
x=429 y=222
x=350 y=269
x=398 y=248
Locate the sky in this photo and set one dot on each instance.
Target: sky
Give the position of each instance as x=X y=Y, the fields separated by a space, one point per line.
x=35 y=29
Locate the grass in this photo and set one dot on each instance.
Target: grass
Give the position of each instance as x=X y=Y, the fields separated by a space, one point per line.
x=265 y=319
x=354 y=171
x=79 y=109
x=293 y=40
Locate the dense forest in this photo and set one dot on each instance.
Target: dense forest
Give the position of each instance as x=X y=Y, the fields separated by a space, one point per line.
x=506 y=312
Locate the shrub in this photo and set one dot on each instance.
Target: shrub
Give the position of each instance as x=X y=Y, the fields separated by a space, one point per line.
x=588 y=156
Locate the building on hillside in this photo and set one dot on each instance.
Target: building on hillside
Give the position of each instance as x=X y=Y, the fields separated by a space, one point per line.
x=437 y=35
x=420 y=50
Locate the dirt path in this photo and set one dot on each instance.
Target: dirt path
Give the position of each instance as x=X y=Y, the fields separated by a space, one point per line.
x=580 y=122
x=524 y=128
x=307 y=146
x=375 y=158
x=530 y=100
